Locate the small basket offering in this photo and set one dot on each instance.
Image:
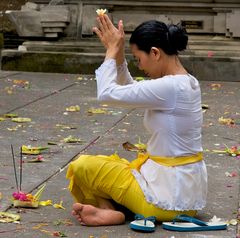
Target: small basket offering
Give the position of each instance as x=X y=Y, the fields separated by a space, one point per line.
x=20 y=198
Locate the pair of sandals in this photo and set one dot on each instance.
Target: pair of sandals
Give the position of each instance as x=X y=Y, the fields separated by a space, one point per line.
x=179 y=223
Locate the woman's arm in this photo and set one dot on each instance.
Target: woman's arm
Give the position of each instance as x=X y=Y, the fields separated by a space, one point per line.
x=113 y=40
x=151 y=94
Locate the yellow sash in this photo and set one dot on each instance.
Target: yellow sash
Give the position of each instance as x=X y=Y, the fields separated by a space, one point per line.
x=166 y=161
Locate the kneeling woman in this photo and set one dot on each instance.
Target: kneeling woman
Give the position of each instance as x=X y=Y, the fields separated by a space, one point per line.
x=171 y=177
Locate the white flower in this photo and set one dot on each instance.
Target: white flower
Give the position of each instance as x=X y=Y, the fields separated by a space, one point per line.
x=215 y=219
x=101 y=12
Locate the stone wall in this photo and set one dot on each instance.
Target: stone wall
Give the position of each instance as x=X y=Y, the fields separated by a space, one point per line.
x=5 y=24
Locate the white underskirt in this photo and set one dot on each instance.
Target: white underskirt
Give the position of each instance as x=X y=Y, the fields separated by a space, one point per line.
x=174 y=188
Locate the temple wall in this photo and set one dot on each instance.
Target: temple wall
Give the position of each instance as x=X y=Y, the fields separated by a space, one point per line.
x=75 y=19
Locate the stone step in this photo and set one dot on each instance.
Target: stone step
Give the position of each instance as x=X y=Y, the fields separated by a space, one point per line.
x=195 y=47
x=53 y=24
x=52 y=29
x=204 y=67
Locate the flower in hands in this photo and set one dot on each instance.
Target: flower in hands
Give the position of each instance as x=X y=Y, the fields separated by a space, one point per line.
x=101 y=11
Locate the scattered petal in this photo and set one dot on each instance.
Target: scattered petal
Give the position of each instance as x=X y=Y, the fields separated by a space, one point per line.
x=10 y=115
x=75 y=108
x=21 y=119
x=233 y=174
x=45 y=203
x=69 y=127
x=97 y=111
x=59 y=234
x=216 y=86
x=59 y=206
x=6 y=217
x=226 y=121
x=216 y=220
x=21 y=83
x=139 y=78
x=72 y=139
x=232 y=222
x=122 y=130
x=38 y=159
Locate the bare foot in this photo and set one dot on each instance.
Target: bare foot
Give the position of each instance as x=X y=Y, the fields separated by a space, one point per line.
x=92 y=216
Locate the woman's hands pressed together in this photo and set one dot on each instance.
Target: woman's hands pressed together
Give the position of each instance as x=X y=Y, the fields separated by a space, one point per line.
x=111 y=37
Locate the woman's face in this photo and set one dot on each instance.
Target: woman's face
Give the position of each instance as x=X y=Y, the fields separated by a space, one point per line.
x=146 y=62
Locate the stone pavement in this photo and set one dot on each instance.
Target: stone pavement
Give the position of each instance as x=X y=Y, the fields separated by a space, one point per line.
x=44 y=98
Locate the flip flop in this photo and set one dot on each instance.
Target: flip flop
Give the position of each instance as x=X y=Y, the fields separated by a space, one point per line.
x=144 y=224
x=192 y=224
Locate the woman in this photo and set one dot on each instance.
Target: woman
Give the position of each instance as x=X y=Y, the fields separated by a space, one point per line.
x=170 y=178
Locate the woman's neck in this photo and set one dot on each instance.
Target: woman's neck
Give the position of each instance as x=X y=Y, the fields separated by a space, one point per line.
x=173 y=66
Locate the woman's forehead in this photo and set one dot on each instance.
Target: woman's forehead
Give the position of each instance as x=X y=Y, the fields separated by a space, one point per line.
x=134 y=49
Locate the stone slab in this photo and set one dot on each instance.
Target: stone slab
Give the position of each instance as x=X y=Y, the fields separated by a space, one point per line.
x=105 y=134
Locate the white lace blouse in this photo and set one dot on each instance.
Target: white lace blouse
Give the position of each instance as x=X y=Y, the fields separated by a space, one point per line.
x=173 y=116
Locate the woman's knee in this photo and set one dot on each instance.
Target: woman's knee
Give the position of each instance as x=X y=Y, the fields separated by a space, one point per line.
x=82 y=165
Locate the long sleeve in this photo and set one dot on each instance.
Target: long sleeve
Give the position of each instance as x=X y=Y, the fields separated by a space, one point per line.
x=149 y=94
x=123 y=75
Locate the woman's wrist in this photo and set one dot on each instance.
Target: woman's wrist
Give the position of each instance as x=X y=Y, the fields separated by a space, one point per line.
x=118 y=56
x=112 y=54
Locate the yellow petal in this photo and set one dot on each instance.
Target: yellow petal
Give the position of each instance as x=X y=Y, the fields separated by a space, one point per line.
x=21 y=119
x=73 y=109
x=59 y=206
x=233 y=222
x=45 y=203
x=97 y=111
x=6 y=217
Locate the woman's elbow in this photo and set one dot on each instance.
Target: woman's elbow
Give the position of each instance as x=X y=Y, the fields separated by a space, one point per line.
x=102 y=97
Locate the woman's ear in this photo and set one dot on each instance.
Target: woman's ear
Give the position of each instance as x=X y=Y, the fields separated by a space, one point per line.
x=155 y=52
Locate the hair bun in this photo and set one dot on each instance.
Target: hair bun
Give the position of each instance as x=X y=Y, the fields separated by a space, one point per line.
x=177 y=36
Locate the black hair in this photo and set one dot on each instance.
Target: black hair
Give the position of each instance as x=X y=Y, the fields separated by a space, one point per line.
x=170 y=38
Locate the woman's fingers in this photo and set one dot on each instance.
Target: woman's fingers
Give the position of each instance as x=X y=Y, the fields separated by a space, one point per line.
x=98 y=32
x=100 y=25
x=120 y=27
x=108 y=22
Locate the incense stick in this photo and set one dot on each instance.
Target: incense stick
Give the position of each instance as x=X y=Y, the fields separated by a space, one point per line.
x=20 y=183
x=14 y=166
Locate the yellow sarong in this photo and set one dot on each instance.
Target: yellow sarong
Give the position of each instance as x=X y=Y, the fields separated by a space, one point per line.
x=110 y=177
